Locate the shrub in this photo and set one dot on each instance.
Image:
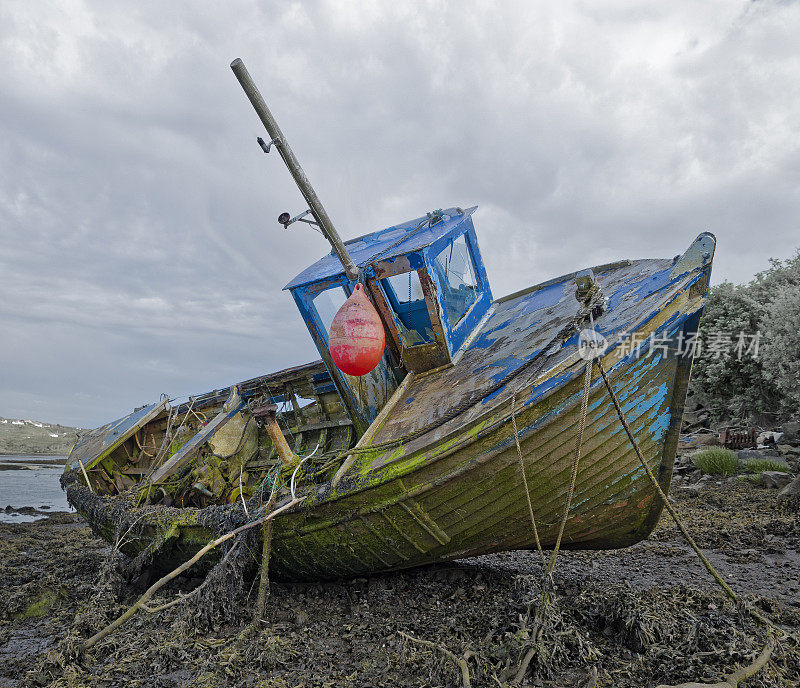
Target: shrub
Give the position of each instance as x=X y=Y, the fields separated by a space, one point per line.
x=780 y=329
x=730 y=387
x=765 y=464
x=742 y=387
x=716 y=461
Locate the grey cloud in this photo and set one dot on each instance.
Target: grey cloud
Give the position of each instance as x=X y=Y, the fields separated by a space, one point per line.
x=140 y=252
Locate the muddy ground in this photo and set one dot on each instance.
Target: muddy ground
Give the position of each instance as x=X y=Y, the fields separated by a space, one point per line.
x=642 y=616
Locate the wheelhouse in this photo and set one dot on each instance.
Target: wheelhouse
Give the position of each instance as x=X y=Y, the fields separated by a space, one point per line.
x=427 y=280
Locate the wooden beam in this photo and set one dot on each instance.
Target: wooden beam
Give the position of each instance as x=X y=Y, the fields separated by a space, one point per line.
x=181 y=457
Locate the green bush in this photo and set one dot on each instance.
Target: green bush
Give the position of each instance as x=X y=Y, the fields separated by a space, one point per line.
x=716 y=461
x=780 y=329
x=741 y=387
x=765 y=464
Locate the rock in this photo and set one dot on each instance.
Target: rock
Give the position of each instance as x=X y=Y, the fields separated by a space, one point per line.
x=747 y=454
x=705 y=481
x=694 y=476
x=792 y=489
x=768 y=437
x=791 y=432
x=688 y=491
x=785 y=449
x=775 y=479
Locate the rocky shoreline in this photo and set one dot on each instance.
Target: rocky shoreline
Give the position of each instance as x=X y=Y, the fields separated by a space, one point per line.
x=641 y=616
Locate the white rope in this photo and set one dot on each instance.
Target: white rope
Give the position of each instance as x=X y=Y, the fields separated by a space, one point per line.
x=294 y=473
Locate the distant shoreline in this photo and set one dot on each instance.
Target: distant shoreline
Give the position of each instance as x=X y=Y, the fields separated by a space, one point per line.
x=35 y=438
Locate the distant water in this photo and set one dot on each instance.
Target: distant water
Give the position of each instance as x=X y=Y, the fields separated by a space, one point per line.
x=27 y=480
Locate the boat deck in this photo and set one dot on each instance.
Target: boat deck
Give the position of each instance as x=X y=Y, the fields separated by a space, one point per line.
x=517 y=330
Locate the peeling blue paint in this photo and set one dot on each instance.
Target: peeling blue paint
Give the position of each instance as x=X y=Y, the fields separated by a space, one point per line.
x=639 y=290
x=494 y=394
x=659 y=428
x=388 y=243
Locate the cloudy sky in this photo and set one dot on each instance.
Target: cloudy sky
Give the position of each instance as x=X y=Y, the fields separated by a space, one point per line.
x=139 y=250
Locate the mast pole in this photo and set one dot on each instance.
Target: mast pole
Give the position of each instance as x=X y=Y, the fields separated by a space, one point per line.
x=275 y=133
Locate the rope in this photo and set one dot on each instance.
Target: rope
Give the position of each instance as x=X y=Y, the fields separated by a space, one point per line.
x=587 y=383
x=525 y=479
x=547 y=572
x=273 y=476
x=684 y=531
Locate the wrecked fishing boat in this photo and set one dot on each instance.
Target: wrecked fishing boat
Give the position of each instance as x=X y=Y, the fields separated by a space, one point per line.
x=481 y=418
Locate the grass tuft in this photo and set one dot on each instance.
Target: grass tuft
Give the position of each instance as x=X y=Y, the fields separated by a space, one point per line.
x=755 y=479
x=716 y=461
x=765 y=464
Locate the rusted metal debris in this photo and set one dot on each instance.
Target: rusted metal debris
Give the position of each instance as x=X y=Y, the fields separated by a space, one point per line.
x=739 y=439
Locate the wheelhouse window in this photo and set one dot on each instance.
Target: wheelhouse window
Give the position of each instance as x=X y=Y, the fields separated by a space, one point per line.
x=328 y=304
x=456 y=273
x=407 y=300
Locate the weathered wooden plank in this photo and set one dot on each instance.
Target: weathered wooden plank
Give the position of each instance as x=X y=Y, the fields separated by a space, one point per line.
x=187 y=451
x=94 y=446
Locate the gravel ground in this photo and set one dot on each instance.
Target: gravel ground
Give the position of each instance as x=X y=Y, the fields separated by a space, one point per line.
x=641 y=616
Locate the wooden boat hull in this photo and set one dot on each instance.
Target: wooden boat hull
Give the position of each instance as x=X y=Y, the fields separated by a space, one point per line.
x=457 y=490
x=472 y=501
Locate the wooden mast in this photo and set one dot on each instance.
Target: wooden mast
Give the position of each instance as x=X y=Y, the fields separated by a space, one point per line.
x=278 y=139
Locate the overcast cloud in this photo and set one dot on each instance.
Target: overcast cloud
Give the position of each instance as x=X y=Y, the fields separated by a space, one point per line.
x=138 y=244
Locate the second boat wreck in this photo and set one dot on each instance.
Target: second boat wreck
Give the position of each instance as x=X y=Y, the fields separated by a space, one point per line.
x=484 y=427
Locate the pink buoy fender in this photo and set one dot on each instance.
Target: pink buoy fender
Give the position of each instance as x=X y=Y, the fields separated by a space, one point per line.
x=356 y=340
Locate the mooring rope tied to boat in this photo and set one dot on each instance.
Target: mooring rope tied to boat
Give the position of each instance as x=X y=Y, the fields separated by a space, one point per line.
x=525 y=479
x=587 y=384
x=758 y=616
x=548 y=569
x=297 y=468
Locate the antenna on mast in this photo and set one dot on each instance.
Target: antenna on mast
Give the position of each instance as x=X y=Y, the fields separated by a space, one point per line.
x=279 y=141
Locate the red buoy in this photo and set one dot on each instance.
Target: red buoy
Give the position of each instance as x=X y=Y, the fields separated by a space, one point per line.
x=356 y=340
